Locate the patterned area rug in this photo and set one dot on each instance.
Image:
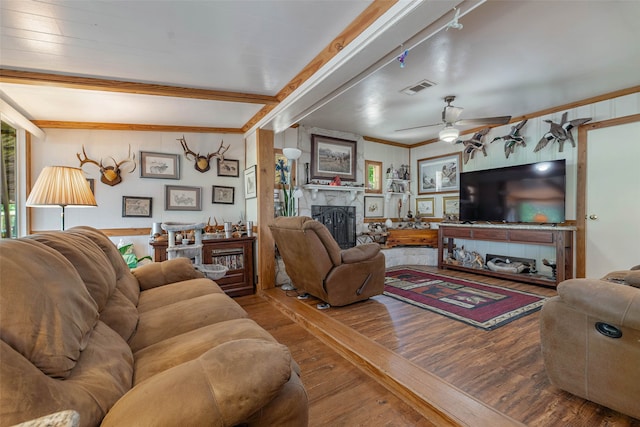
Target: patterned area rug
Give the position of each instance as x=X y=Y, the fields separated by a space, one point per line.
x=483 y=306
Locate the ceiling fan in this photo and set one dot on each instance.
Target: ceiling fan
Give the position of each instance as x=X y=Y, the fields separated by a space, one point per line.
x=450 y=116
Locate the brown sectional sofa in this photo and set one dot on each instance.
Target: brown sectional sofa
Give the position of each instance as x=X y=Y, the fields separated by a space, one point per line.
x=159 y=345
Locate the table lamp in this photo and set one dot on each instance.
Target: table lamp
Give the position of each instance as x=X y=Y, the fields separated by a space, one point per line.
x=61 y=186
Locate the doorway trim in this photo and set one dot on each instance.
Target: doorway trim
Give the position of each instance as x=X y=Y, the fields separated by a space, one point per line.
x=581 y=193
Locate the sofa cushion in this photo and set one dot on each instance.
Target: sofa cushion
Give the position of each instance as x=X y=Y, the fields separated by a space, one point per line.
x=98 y=275
x=47 y=313
x=183 y=316
x=190 y=345
x=170 y=271
x=174 y=292
x=125 y=281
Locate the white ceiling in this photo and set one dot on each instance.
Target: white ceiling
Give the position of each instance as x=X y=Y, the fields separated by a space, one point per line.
x=511 y=58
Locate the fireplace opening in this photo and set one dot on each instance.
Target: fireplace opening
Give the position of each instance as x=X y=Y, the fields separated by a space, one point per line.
x=340 y=221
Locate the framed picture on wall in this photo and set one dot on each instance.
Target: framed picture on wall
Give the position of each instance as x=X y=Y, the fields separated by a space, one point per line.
x=373 y=207
x=159 y=165
x=451 y=205
x=136 y=206
x=181 y=198
x=439 y=174
x=331 y=157
x=425 y=206
x=228 y=167
x=373 y=175
x=250 y=183
x=223 y=195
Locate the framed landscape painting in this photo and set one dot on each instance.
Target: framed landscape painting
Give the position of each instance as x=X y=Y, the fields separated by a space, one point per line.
x=331 y=157
x=439 y=174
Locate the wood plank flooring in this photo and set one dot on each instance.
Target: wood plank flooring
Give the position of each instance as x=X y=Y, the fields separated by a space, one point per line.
x=416 y=353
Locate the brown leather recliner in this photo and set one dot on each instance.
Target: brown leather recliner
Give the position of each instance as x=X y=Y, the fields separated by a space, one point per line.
x=316 y=264
x=590 y=335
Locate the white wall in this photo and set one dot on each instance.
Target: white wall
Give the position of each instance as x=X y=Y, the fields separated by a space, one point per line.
x=60 y=147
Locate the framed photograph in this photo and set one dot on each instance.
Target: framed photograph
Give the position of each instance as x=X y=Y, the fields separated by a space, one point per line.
x=224 y=195
x=284 y=168
x=180 y=198
x=136 y=206
x=373 y=207
x=250 y=183
x=331 y=157
x=159 y=165
x=229 y=167
x=439 y=174
x=92 y=185
x=451 y=205
x=373 y=176
x=425 y=206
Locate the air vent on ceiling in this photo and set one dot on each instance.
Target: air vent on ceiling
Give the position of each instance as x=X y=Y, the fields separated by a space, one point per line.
x=413 y=89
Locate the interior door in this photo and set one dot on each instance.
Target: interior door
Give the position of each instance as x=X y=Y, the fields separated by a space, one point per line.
x=613 y=199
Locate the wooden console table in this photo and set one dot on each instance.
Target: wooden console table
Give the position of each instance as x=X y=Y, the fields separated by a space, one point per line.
x=412 y=237
x=234 y=253
x=559 y=237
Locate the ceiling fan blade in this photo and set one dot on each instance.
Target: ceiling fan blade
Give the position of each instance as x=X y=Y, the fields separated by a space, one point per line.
x=502 y=120
x=450 y=114
x=418 y=127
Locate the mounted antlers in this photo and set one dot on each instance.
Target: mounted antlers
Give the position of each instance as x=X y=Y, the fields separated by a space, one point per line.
x=110 y=175
x=202 y=162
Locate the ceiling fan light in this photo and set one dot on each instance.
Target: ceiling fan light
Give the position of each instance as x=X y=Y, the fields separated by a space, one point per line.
x=449 y=134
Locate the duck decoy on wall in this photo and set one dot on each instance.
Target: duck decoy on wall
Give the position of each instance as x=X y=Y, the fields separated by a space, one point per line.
x=560 y=132
x=474 y=144
x=513 y=139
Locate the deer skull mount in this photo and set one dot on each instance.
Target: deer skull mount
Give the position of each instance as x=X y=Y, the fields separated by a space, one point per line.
x=202 y=163
x=109 y=175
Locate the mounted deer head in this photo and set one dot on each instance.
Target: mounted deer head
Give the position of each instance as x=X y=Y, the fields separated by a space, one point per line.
x=202 y=163
x=109 y=175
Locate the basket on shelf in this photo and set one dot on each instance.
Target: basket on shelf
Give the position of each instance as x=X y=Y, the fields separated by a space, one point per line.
x=212 y=271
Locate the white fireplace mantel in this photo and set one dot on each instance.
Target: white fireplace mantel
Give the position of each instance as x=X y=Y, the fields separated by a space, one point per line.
x=314 y=188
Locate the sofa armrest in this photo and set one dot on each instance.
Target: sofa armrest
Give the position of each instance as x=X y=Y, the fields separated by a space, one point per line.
x=360 y=253
x=165 y=272
x=607 y=302
x=224 y=386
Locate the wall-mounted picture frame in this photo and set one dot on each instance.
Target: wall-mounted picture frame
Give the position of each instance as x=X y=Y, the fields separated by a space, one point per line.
x=92 y=185
x=181 y=198
x=133 y=206
x=373 y=176
x=373 y=207
x=229 y=167
x=331 y=157
x=159 y=165
x=284 y=168
x=224 y=195
x=439 y=174
x=451 y=205
x=425 y=206
x=250 y=183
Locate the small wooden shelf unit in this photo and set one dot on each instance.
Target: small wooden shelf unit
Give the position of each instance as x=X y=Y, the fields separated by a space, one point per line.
x=560 y=237
x=234 y=253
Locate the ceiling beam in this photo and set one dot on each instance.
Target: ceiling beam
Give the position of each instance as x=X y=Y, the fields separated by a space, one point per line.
x=374 y=11
x=52 y=124
x=90 y=83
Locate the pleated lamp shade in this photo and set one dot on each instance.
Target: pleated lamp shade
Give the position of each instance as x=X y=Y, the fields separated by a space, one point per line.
x=61 y=186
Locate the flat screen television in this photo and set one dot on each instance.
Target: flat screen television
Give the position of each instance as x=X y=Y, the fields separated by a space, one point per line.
x=531 y=193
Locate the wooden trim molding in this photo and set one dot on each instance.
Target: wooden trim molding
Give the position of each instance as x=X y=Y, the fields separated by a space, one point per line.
x=90 y=83
x=52 y=124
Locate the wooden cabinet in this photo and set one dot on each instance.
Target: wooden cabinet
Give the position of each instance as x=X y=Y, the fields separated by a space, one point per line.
x=411 y=237
x=559 y=237
x=235 y=253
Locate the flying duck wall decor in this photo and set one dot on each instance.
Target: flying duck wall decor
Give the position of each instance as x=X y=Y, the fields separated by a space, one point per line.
x=560 y=132
x=474 y=144
x=513 y=139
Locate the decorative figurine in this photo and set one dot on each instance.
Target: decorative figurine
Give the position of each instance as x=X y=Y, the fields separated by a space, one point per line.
x=474 y=144
x=560 y=132
x=513 y=139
